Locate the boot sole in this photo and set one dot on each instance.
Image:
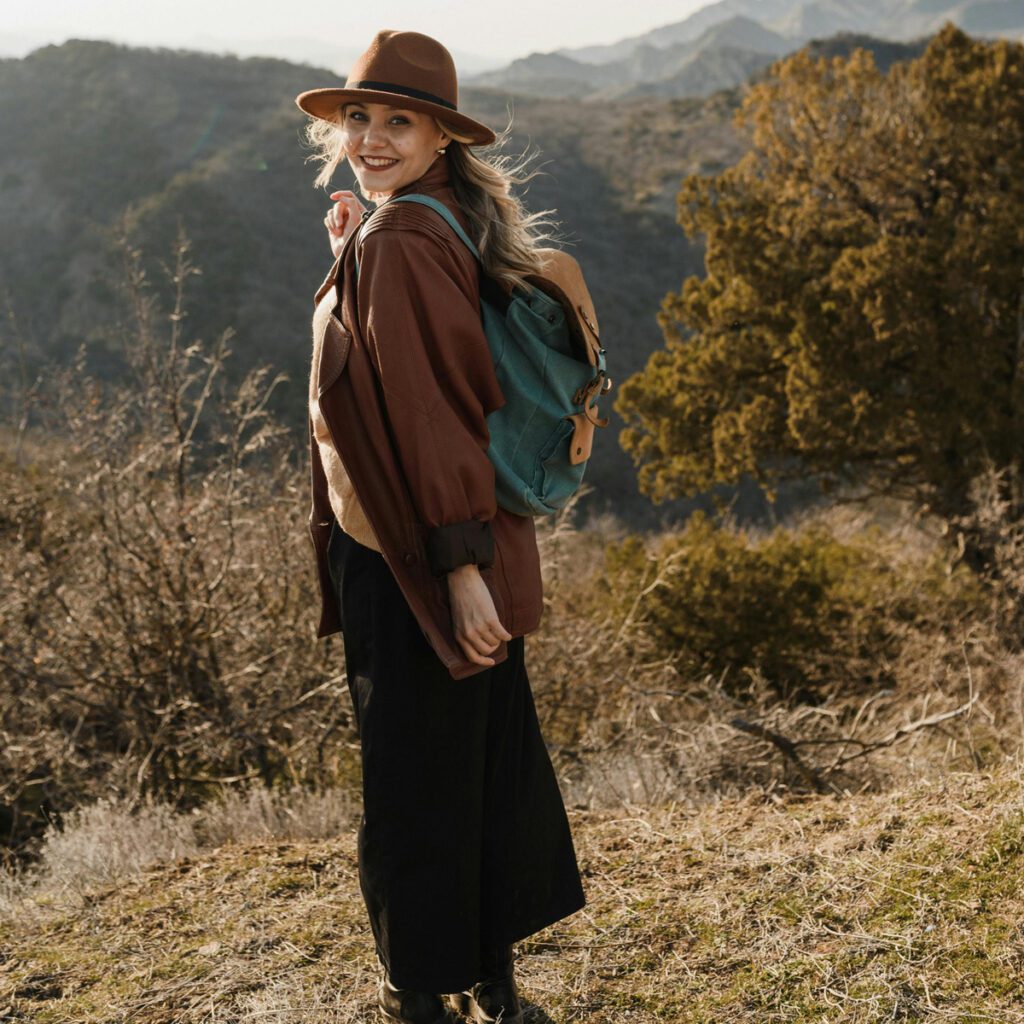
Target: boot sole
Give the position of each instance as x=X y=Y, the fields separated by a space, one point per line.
x=392 y=1019
x=464 y=1003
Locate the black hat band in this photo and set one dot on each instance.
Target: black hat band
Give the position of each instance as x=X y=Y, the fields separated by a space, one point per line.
x=404 y=90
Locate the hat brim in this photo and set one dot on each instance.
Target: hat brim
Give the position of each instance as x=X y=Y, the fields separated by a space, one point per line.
x=324 y=103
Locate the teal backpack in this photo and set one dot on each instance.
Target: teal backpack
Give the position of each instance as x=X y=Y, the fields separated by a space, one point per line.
x=550 y=372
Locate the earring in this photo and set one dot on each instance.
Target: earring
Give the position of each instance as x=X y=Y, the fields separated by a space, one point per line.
x=438 y=150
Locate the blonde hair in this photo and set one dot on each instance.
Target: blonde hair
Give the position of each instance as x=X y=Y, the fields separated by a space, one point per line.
x=509 y=238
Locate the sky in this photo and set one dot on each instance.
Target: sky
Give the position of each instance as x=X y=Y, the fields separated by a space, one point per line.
x=484 y=29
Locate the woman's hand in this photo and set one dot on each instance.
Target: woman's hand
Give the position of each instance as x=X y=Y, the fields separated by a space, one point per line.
x=343 y=218
x=474 y=618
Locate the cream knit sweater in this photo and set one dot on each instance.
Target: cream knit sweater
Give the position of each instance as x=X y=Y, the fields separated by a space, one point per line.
x=344 y=503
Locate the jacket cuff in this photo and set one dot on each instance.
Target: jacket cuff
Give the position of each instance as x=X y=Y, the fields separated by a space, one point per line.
x=456 y=544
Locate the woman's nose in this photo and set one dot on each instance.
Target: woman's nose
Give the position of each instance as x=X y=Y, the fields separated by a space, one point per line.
x=374 y=135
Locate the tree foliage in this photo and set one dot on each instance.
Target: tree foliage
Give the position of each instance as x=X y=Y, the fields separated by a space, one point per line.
x=862 y=315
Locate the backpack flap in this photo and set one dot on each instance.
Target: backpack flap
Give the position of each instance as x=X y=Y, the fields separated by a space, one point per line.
x=563 y=280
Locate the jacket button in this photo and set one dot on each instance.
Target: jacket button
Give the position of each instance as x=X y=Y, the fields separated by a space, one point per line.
x=409 y=558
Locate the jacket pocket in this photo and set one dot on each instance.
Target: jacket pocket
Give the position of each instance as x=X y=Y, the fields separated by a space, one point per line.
x=331 y=339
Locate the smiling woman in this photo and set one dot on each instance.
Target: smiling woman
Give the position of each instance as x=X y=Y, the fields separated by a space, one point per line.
x=464 y=846
x=509 y=235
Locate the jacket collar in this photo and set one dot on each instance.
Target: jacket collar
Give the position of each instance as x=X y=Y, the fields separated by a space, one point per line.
x=435 y=178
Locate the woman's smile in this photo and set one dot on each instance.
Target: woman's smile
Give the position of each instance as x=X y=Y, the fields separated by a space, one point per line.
x=378 y=163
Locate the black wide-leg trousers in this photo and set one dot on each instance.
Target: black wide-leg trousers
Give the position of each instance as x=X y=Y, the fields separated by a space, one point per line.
x=464 y=843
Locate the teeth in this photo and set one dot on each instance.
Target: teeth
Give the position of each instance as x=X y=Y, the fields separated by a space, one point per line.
x=377 y=161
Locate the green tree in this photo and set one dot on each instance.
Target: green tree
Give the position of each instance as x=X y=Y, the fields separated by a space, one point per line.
x=862 y=315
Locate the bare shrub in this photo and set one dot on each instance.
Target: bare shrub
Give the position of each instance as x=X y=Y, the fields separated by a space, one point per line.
x=158 y=608
x=111 y=839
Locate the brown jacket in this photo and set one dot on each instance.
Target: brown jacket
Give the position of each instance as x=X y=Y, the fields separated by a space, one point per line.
x=405 y=383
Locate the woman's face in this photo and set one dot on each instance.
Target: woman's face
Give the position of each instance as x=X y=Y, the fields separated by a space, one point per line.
x=388 y=147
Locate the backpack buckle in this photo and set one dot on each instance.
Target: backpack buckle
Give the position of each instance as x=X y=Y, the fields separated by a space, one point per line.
x=600 y=384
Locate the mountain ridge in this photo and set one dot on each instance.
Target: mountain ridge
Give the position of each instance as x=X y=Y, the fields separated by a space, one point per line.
x=725 y=42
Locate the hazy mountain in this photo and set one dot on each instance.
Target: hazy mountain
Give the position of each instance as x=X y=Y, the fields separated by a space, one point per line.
x=722 y=44
x=700 y=74
x=684 y=31
x=900 y=19
x=720 y=57
x=743 y=33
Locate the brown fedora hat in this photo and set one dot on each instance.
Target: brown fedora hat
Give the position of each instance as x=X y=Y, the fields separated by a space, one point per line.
x=406 y=69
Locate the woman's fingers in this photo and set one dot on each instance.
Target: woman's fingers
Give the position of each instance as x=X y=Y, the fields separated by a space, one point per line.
x=471 y=654
x=349 y=202
x=337 y=218
x=345 y=210
x=487 y=637
x=474 y=648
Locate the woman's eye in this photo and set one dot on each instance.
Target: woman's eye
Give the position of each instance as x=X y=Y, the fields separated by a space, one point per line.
x=358 y=115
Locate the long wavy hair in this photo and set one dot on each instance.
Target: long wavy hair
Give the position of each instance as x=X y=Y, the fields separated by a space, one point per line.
x=510 y=238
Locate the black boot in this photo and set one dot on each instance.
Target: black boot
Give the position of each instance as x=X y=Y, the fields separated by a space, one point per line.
x=410 y=1006
x=494 y=998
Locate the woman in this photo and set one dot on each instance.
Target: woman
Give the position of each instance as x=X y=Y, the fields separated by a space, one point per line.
x=464 y=845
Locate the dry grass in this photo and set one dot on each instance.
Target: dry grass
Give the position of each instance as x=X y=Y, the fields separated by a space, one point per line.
x=100 y=843
x=899 y=906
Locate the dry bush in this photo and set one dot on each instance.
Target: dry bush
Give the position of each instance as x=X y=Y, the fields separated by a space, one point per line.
x=633 y=723
x=102 y=842
x=158 y=610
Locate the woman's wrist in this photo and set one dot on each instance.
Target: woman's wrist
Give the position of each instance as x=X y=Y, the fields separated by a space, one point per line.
x=463 y=571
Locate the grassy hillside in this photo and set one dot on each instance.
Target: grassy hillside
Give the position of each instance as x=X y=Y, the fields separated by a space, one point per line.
x=904 y=906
